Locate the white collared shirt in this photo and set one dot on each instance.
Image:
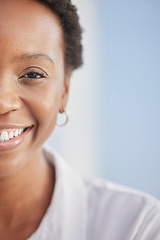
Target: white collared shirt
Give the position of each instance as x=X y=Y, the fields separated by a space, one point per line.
x=84 y=209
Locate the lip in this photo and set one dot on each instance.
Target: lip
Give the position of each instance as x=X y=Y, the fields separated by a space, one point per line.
x=3 y=127
x=16 y=141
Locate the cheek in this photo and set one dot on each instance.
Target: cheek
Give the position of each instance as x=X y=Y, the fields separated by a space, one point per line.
x=46 y=116
x=46 y=106
x=43 y=104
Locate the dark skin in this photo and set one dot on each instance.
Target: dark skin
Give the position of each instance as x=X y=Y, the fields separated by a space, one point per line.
x=33 y=89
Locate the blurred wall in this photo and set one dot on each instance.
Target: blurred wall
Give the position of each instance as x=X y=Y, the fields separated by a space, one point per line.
x=77 y=142
x=114 y=131
x=129 y=37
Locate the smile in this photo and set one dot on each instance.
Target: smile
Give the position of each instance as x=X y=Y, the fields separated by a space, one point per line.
x=12 y=138
x=8 y=134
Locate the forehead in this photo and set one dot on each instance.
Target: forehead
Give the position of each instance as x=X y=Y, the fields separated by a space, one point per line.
x=29 y=24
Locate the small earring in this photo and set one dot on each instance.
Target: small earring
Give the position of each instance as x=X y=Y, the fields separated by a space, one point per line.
x=67 y=119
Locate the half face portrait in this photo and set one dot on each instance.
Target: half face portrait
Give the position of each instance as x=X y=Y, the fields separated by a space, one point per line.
x=41 y=197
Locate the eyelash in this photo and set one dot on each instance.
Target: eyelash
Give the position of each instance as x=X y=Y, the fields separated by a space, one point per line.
x=39 y=74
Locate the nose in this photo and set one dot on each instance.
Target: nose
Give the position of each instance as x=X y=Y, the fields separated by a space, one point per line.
x=9 y=100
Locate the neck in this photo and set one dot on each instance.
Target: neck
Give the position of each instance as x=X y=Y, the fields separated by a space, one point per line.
x=27 y=190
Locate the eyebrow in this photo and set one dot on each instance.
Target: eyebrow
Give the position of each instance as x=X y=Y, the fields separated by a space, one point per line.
x=28 y=56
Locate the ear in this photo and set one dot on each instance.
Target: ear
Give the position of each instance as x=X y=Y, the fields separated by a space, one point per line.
x=65 y=92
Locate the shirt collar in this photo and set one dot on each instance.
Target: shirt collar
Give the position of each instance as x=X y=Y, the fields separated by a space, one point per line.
x=66 y=217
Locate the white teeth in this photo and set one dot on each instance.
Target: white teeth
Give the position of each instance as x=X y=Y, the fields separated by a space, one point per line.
x=16 y=133
x=19 y=131
x=4 y=136
x=11 y=135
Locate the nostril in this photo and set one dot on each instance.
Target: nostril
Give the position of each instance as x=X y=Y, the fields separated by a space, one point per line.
x=9 y=103
x=9 y=94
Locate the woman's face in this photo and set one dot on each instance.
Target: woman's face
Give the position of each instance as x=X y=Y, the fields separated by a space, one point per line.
x=33 y=85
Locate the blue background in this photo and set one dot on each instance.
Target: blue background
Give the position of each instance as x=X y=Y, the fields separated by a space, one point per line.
x=129 y=71
x=114 y=103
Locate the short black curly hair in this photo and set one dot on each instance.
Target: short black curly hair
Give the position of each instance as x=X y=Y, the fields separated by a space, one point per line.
x=72 y=31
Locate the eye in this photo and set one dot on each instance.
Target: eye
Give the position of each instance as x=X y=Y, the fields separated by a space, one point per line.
x=33 y=75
